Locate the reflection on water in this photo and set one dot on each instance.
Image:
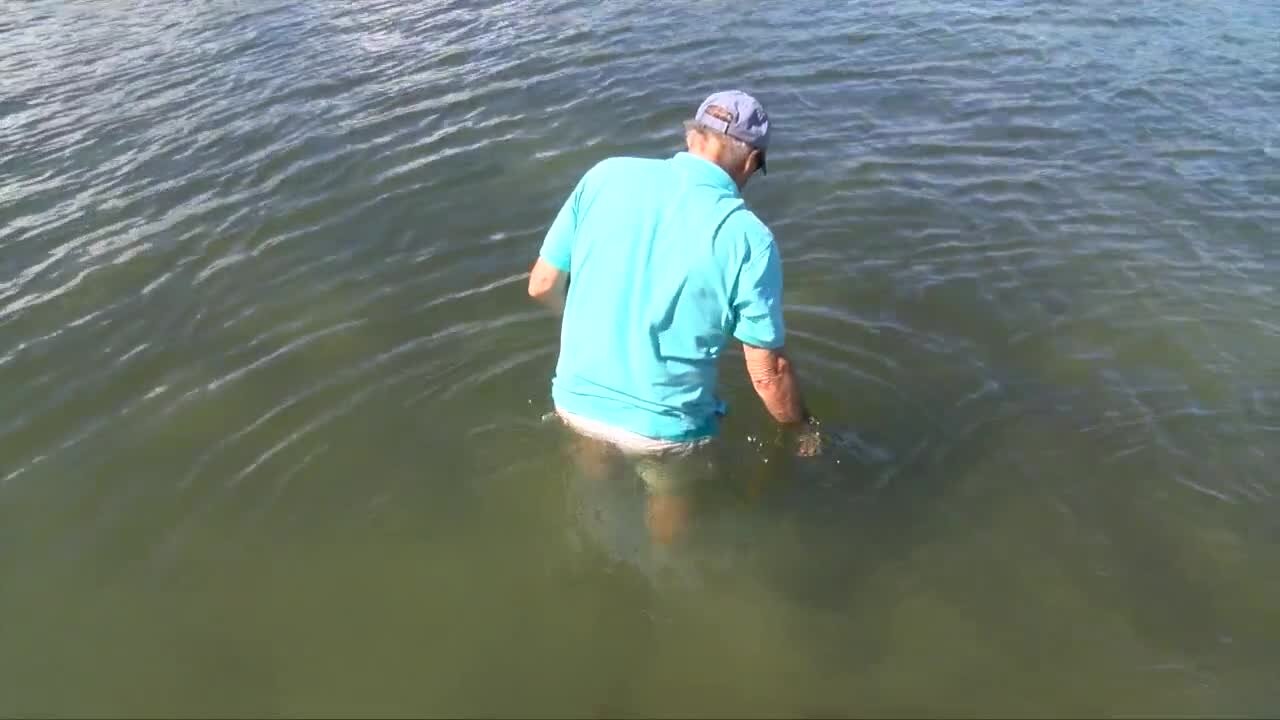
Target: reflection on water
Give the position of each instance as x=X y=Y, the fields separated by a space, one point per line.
x=273 y=390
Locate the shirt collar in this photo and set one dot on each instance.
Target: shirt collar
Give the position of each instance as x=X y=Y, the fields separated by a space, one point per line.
x=704 y=171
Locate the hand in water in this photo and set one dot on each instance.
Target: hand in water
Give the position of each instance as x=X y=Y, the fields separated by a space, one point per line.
x=805 y=439
x=809 y=442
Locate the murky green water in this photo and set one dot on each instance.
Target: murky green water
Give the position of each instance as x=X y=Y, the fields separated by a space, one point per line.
x=271 y=389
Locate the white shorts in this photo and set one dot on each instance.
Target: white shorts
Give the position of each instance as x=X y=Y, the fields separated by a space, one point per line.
x=628 y=442
x=665 y=466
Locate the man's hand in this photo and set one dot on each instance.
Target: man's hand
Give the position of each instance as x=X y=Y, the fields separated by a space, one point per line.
x=809 y=441
x=547 y=285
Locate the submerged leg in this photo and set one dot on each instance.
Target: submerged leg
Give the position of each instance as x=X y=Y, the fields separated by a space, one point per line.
x=594 y=458
x=667 y=517
x=671 y=481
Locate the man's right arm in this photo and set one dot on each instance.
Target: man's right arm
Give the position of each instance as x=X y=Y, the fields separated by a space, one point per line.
x=759 y=326
x=774 y=379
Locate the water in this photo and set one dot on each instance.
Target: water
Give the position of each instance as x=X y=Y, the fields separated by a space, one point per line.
x=272 y=389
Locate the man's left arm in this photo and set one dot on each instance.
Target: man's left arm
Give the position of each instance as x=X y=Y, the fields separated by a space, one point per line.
x=549 y=277
x=548 y=285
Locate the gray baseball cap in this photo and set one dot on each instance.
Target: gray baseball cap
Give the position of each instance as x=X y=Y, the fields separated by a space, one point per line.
x=738 y=115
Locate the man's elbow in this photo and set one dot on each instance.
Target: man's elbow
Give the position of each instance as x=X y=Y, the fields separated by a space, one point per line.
x=767 y=369
x=544 y=280
x=540 y=286
x=549 y=294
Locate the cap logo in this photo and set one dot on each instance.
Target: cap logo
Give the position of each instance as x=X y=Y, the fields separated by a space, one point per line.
x=756 y=119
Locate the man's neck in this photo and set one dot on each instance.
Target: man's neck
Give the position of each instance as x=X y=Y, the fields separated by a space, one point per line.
x=711 y=158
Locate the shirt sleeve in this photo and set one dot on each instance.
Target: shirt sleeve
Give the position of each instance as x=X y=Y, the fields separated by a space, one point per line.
x=758 y=301
x=557 y=246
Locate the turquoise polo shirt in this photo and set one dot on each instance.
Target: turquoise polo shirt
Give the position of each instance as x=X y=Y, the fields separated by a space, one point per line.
x=666 y=264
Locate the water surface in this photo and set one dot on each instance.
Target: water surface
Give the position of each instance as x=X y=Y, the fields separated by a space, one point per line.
x=271 y=440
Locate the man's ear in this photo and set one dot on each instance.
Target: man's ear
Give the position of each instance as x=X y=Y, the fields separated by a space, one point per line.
x=693 y=139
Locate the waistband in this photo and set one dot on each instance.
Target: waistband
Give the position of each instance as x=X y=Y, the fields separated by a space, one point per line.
x=625 y=440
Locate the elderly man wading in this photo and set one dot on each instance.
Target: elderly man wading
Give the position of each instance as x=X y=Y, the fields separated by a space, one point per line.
x=655 y=265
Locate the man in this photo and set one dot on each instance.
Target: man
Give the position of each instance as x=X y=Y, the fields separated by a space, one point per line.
x=655 y=266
